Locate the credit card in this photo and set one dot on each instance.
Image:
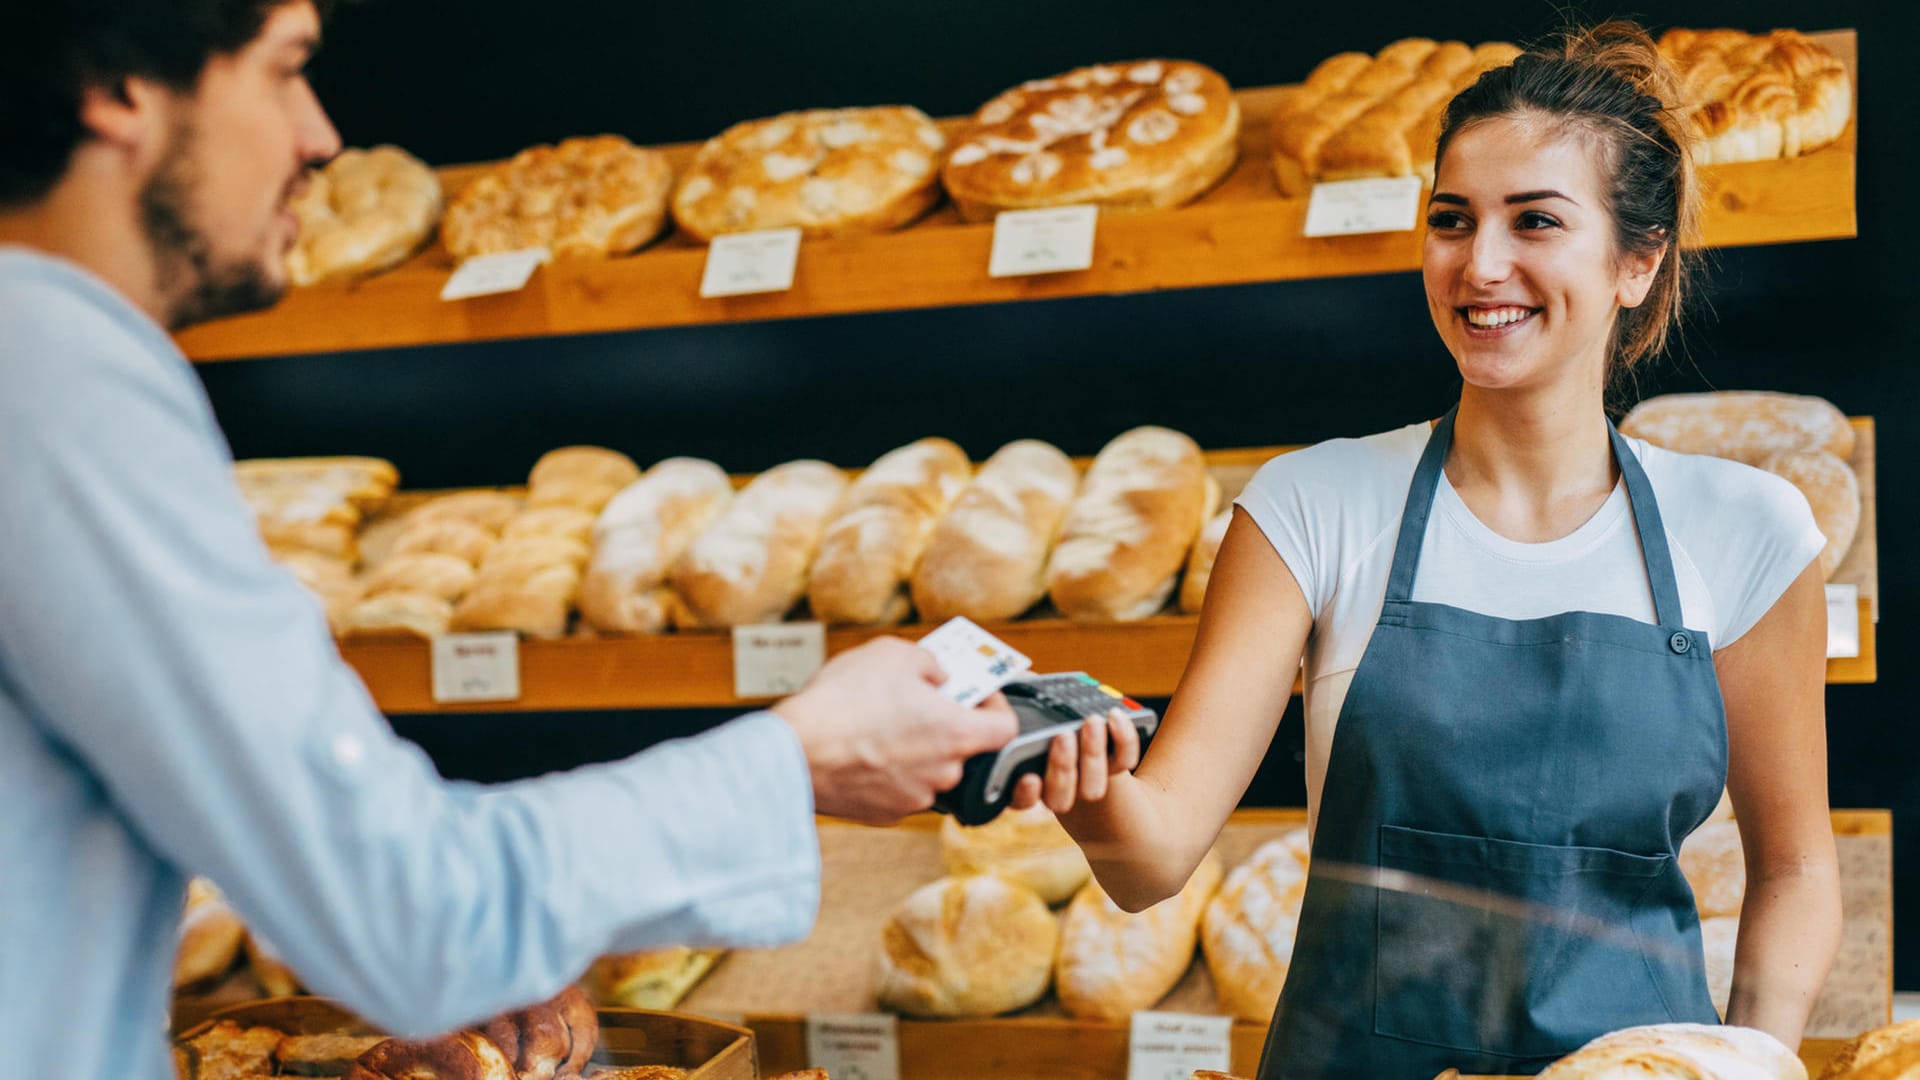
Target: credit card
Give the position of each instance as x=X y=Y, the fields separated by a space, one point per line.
x=976 y=662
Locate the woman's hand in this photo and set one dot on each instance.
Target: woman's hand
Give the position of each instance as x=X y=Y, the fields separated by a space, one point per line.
x=1079 y=766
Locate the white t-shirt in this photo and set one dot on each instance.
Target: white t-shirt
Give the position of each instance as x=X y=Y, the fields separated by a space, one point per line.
x=1738 y=536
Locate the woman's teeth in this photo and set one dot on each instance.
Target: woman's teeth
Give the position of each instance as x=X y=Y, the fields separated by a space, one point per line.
x=1494 y=318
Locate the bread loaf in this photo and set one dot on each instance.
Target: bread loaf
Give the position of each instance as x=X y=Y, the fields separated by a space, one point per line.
x=555 y=1038
x=559 y=519
x=211 y=935
x=1114 y=963
x=1206 y=548
x=987 y=558
x=1682 y=1051
x=363 y=212
x=1249 y=927
x=491 y=510
x=1831 y=490
x=1883 y=1046
x=433 y=573
x=520 y=557
x=640 y=534
x=967 y=946
x=580 y=476
x=1028 y=846
x=1745 y=425
x=1129 y=530
x=454 y=536
x=751 y=564
x=649 y=980
x=420 y=614
x=1716 y=867
x=465 y=1055
x=537 y=605
x=873 y=545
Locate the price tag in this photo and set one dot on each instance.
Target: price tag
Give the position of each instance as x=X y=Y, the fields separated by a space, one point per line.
x=777 y=658
x=484 y=275
x=1843 y=621
x=1170 y=1046
x=861 y=1046
x=1042 y=241
x=1349 y=207
x=751 y=262
x=476 y=667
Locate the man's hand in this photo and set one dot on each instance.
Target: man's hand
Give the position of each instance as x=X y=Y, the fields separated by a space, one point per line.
x=880 y=740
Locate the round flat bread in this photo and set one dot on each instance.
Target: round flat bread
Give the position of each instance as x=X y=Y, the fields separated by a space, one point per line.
x=595 y=195
x=366 y=211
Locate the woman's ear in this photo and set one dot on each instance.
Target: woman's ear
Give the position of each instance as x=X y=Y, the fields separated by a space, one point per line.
x=1636 y=276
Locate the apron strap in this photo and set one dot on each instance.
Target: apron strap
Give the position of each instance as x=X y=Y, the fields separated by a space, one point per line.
x=1646 y=517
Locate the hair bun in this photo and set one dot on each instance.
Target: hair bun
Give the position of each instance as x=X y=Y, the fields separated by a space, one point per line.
x=1626 y=50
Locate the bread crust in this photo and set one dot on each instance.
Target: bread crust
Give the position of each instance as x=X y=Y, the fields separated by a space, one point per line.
x=1249 y=926
x=987 y=558
x=638 y=537
x=363 y=212
x=876 y=540
x=588 y=196
x=1752 y=97
x=1114 y=963
x=1127 y=534
x=751 y=564
x=967 y=946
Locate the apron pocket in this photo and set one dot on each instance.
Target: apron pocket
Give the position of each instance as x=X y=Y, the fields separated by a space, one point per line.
x=1510 y=949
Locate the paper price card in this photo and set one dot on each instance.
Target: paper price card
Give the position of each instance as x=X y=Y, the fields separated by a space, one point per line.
x=476 y=667
x=862 y=1046
x=1351 y=207
x=485 y=275
x=776 y=658
x=1170 y=1046
x=1843 y=621
x=752 y=262
x=1042 y=241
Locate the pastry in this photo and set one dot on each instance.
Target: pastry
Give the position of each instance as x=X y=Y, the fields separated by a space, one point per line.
x=1862 y=1056
x=491 y=510
x=1681 y=1051
x=399 y=612
x=454 y=536
x=272 y=973
x=1206 y=548
x=433 y=573
x=554 y=519
x=649 y=980
x=466 y=1055
x=826 y=171
x=227 y=1051
x=987 y=558
x=872 y=546
x=1128 y=532
x=1028 y=846
x=640 y=534
x=1754 y=97
x=552 y=1039
x=967 y=946
x=537 y=604
x=211 y=935
x=584 y=477
x=1745 y=425
x=322 y=1055
x=1114 y=963
x=363 y=212
x=1249 y=927
x=1833 y=493
x=751 y=564
x=1141 y=135
x=594 y=196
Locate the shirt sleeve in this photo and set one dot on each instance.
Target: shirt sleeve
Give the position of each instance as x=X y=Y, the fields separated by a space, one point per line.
x=147 y=631
x=1281 y=501
x=1775 y=540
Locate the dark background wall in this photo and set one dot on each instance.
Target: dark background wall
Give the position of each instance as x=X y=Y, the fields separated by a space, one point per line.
x=1239 y=366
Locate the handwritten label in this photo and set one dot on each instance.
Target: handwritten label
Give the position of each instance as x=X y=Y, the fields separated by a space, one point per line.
x=751 y=262
x=1843 y=621
x=1350 y=207
x=476 y=667
x=485 y=275
x=1042 y=241
x=777 y=658
x=861 y=1046
x=1170 y=1046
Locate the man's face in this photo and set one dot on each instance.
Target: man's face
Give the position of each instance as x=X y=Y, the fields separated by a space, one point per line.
x=216 y=207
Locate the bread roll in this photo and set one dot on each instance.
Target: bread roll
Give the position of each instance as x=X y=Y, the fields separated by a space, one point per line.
x=491 y=510
x=987 y=559
x=1745 y=425
x=537 y=605
x=872 y=546
x=1716 y=867
x=562 y=520
x=1249 y=927
x=751 y=564
x=1831 y=490
x=465 y=1055
x=420 y=614
x=330 y=538
x=1028 y=846
x=446 y=535
x=551 y=1039
x=320 y=573
x=1129 y=530
x=1882 y=1046
x=523 y=556
x=1682 y=1051
x=649 y=980
x=1719 y=938
x=967 y=946
x=638 y=537
x=580 y=476
x=211 y=935
x=1206 y=548
x=1114 y=963
x=433 y=573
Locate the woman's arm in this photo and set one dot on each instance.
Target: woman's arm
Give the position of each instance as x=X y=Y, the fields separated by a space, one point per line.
x=1145 y=831
x=1773 y=681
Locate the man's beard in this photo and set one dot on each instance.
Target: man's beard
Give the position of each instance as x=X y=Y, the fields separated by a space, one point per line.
x=198 y=287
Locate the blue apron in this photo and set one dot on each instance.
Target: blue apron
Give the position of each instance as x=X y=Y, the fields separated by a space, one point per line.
x=1495 y=877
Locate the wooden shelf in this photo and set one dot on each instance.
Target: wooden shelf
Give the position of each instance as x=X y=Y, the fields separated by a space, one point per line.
x=1241 y=232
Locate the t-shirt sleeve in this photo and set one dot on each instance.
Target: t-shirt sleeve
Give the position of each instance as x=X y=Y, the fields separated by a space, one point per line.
x=1772 y=539
x=1280 y=500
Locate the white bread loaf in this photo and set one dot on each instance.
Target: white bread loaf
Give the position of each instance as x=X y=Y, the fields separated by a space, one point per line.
x=1890 y=1052
x=1206 y=548
x=1128 y=532
x=1683 y=1052
x=987 y=559
x=1832 y=491
x=641 y=533
x=581 y=476
x=1249 y=927
x=873 y=544
x=1028 y=846
x=1114 y=963
x=967 y=946
x=1716 y=867
x=1718 y=939
x=1745 y=425
x=751 y=564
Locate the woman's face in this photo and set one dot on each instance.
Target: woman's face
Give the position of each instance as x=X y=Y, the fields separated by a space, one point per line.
x=1522 y=275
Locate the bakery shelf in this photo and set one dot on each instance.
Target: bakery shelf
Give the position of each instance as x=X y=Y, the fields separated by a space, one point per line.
x=1242 y=232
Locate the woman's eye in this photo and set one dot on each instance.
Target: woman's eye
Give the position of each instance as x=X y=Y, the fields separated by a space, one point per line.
x=1446 y=220
x=1534 y=219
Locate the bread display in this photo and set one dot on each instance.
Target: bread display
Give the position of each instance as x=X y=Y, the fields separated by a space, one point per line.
x=584 y=477
x=211 y=936
x=1746 y=425
x=1140 y=135
x=1113 y=963
x=1248 y=930
x=649 y=980
x=967 y=946
x=1716 y=867
x=1833 y=493
x=828 y=172
x=363 y=212
x=1891 y=1052
x=1682 y=1051
x=638 y=537
x=313 y=505
x=1359 y=116
x=987 y=558
x=1128 y=532
x=589 y=196
x=1028 y=846
x=873 y=545
x=1206 y=548
x=1752 y=97
x=751 y=564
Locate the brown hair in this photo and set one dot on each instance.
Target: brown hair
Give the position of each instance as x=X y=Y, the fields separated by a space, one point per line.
x=1611 y=84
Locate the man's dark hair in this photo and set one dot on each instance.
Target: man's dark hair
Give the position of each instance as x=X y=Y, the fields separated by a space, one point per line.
x=55 y=49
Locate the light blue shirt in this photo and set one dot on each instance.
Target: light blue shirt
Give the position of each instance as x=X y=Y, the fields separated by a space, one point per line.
x=171 y=704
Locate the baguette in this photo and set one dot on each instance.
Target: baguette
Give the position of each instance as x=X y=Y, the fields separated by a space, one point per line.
x=1114 y=963
x=640 y=534
x=987 y=558
x=751 y=564
x=872 y=547
x=968 y=946
x=1745 y=425
x=1129 y=530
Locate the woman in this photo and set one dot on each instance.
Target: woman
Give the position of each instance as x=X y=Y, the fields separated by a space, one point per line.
x=1535 y=650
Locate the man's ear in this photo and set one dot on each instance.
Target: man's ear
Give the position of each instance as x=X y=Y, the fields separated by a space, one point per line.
x=133 y=115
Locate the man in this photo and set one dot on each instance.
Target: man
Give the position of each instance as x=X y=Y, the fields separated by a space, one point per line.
x=170 y=702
